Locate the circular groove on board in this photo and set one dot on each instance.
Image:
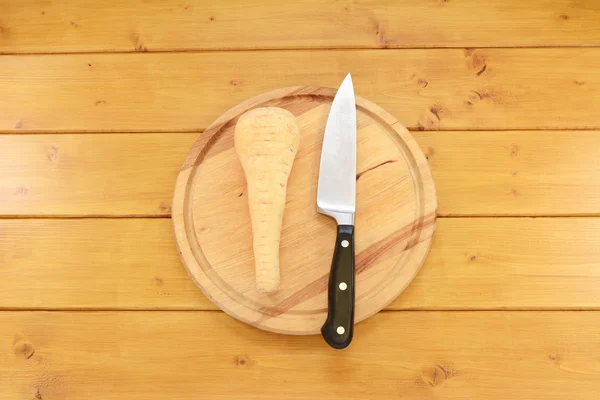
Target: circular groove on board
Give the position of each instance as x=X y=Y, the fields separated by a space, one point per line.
x=396 y=207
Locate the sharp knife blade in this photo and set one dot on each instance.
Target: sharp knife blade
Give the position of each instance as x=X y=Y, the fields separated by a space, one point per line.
x=336 y=193
x=336 y=197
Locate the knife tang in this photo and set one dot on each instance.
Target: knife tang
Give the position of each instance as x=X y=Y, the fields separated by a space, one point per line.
x=339 y=326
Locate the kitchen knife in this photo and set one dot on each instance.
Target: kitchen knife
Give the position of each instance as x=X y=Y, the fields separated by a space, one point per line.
x=336 y=197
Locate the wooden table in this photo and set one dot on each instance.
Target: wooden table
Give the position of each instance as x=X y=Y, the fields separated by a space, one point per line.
x=100 y=102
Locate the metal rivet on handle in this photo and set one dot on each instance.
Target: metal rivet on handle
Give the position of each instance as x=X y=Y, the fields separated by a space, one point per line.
x=345 y=243
x=340 y=330
x=343 y=286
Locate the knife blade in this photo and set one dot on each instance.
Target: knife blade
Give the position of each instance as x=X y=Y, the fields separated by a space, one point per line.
x=336 y=197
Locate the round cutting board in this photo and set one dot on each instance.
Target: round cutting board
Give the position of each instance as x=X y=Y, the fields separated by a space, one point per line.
x=395 y=216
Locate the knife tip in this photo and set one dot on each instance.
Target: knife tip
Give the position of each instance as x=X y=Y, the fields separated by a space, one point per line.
x=348 y=81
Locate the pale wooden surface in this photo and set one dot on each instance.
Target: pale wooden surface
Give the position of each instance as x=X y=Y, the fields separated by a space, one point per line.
x=424 y=89
x=87 y=175
x=214 y=231
x=476 y=173
x=32 y=26
x=133 y=264
x=526 y=287
x=414 y=355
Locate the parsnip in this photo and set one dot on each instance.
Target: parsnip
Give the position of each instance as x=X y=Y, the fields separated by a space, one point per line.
x=266 y=141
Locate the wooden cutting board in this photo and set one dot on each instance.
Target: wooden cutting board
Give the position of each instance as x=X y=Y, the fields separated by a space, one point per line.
x=395 y=217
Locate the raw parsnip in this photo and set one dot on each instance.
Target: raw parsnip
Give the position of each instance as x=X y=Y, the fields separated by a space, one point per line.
x=266 y=141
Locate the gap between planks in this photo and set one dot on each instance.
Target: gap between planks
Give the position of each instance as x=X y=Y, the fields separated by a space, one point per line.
x=202 y=310
x=272 y=49
x=142 y=216
x=5 y=132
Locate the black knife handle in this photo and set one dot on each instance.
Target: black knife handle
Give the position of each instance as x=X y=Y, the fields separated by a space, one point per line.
x=339 y=326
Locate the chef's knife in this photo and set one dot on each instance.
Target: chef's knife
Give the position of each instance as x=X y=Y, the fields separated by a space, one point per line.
x=336 y=197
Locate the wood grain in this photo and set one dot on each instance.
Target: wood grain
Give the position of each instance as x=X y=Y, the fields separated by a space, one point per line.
x=539 y=156
x=480 y=264
x=90 y=174
x=476 y=173
x=93 y=263
x=424 y=89
x=37 y=26
x=515 y=173
x=425 y=355
x=214 y=232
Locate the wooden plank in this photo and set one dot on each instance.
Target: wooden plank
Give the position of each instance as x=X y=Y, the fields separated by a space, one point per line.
x=177 y=355
x=480 y=264
x=476 y=173
x=37 y=26
x=515 y=173
x=90 y=174
x=425 y=89
x=94 y=263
